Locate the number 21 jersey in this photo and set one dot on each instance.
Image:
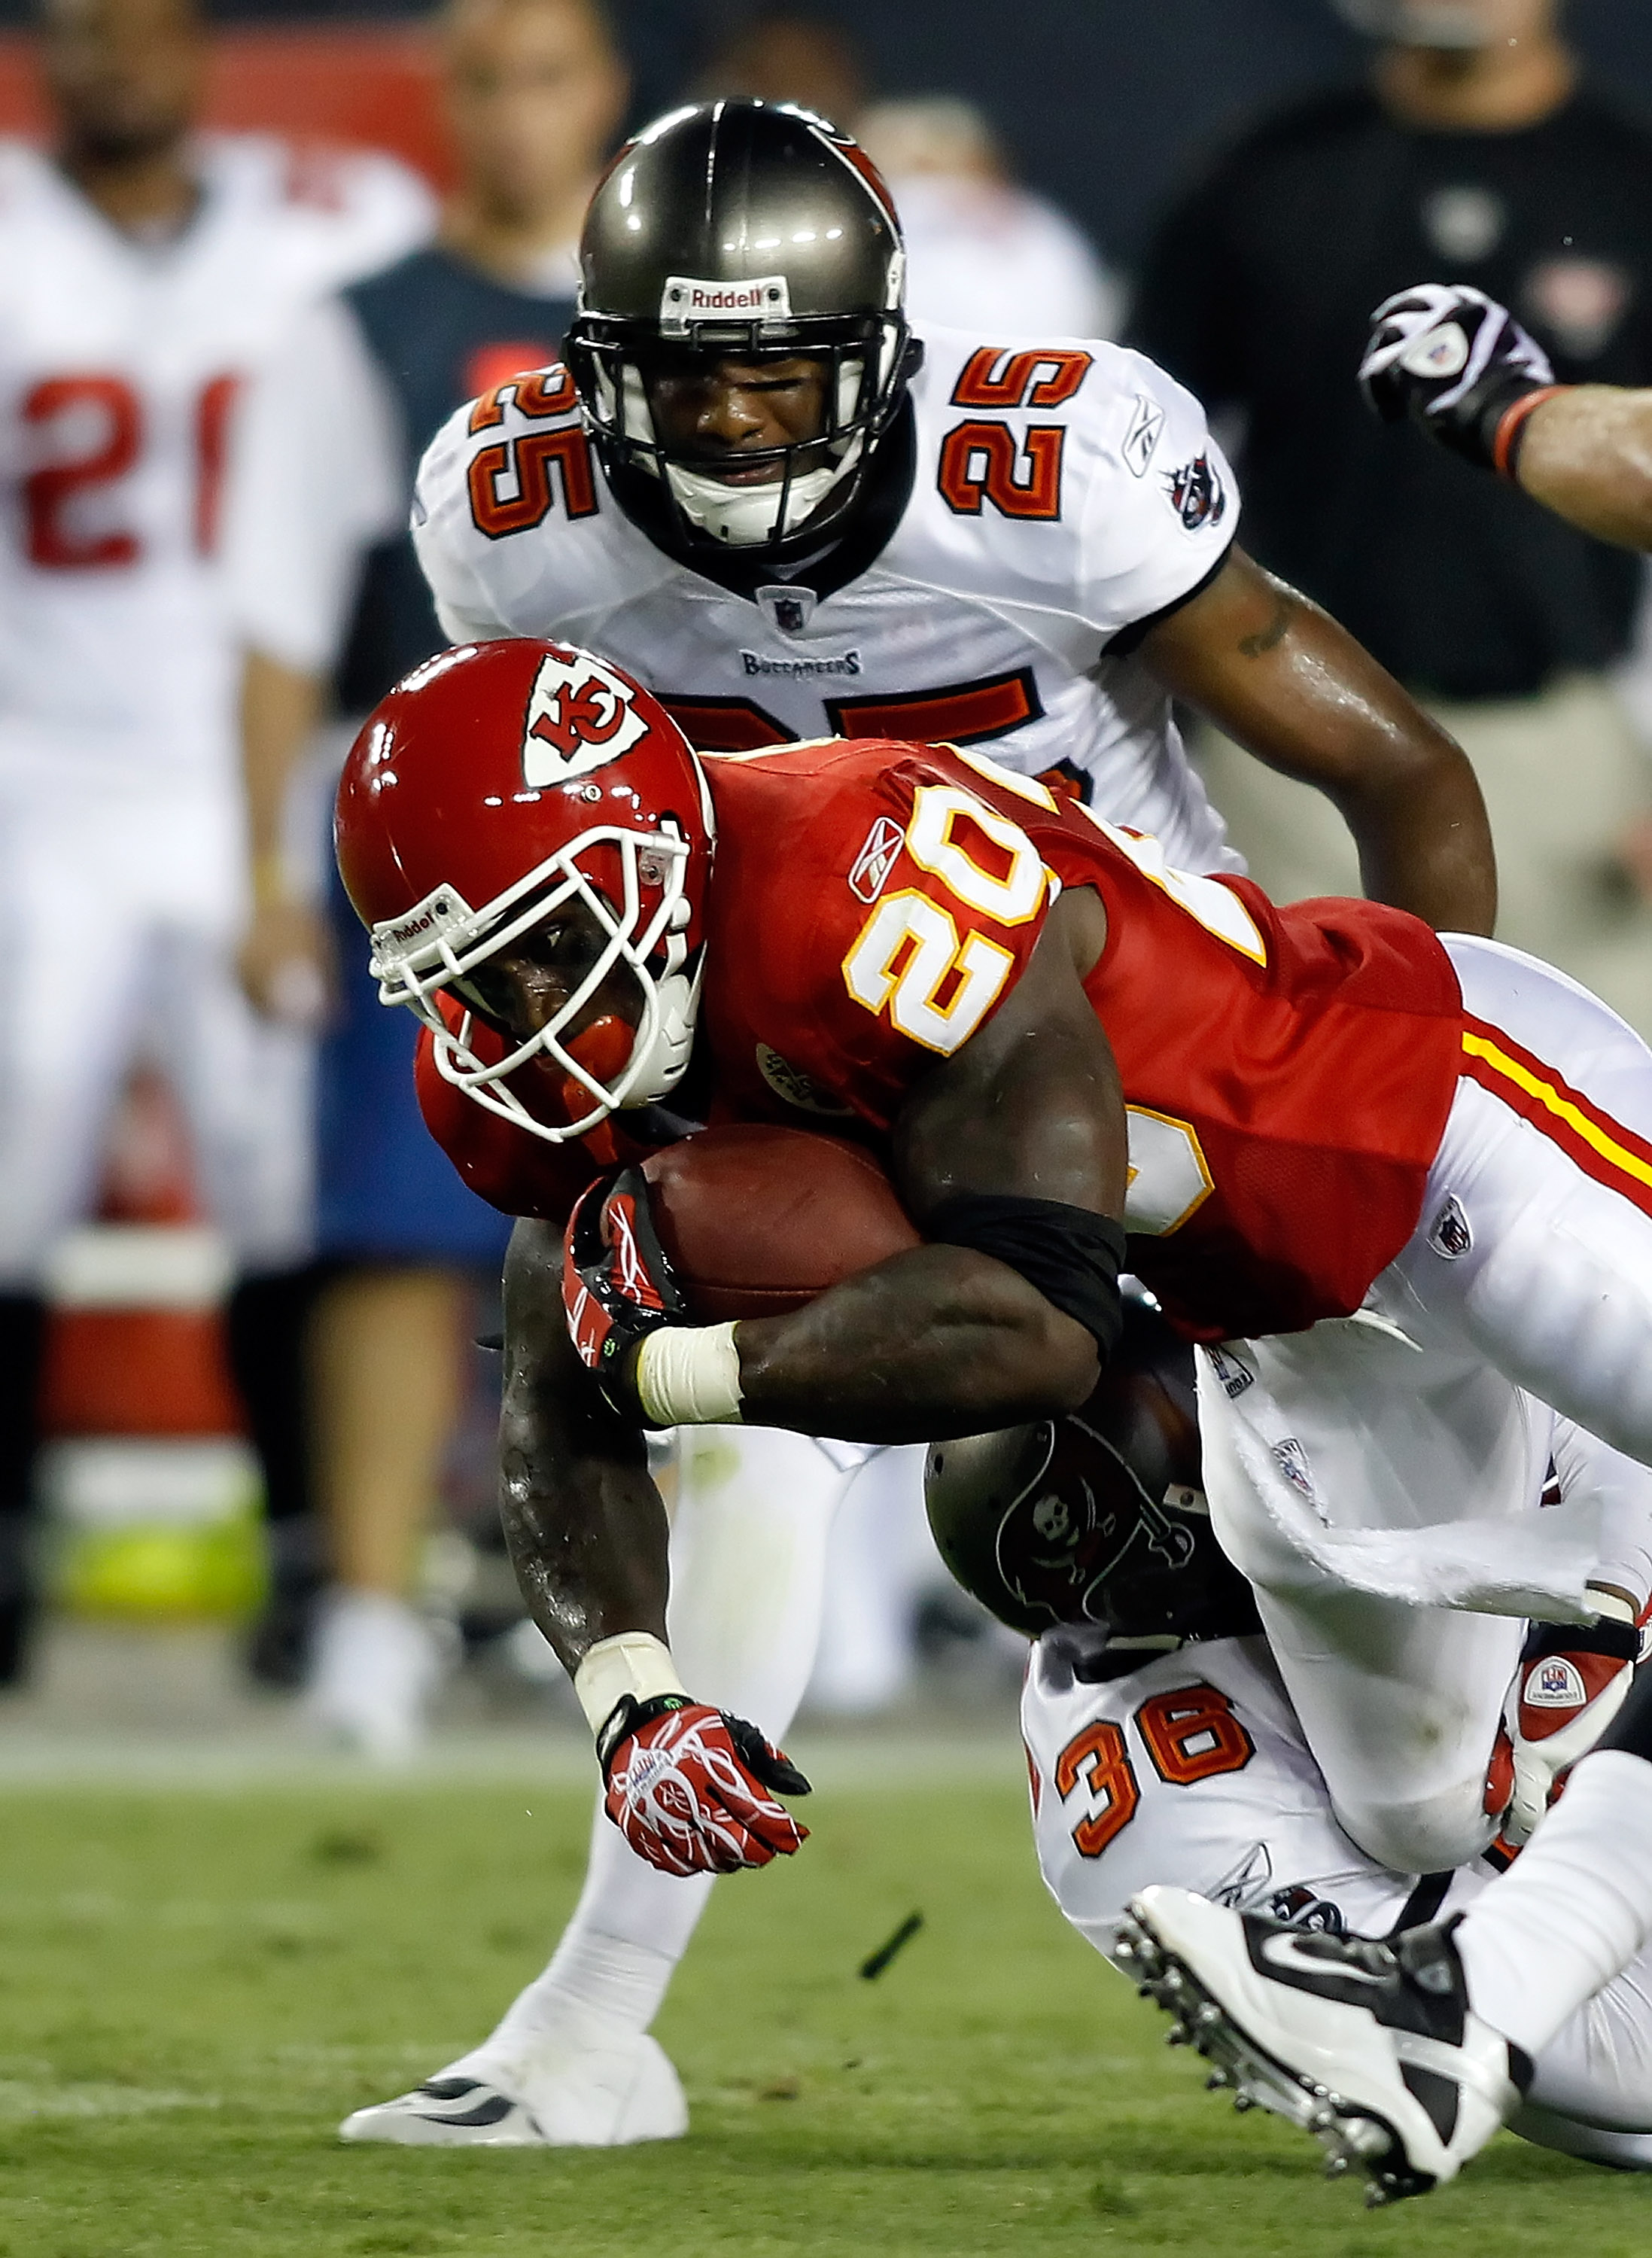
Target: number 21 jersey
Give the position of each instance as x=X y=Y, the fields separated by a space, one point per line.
x=121 y=362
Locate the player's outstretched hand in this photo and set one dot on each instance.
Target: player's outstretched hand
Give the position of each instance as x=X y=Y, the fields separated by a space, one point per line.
x=617 y=1285
x=1456 y=362
x=693 y=1790
x=1569 y=1686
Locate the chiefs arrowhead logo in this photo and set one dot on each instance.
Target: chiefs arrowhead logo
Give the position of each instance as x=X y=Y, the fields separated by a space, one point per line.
x=579 y=716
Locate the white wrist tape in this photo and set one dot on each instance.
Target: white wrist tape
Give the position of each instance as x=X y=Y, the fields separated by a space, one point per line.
x=634 y=1661
x=689 y=1376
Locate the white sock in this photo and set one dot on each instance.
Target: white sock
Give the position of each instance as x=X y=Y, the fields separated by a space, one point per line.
x=747 y=1548
x=1572 y=1911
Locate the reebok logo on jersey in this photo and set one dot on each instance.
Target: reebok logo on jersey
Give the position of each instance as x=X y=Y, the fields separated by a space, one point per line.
x=1146 y=424
x=869 y=871
x=1245 y=1884
x=801 y=670
x=1197 y=494
x=579 y=716
x=1292 y=1461
x=688 y=298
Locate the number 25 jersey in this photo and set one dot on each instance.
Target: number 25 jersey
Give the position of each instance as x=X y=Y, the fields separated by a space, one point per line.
x=1062 y=498
x=1287 y=1072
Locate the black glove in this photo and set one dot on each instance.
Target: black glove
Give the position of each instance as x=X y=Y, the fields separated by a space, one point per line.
x=617 y=1285
x=1456 y=362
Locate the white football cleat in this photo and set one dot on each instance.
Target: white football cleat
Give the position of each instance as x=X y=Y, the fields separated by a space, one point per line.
x=593 y=2096
x=375 y=1665
x=1373 y=2048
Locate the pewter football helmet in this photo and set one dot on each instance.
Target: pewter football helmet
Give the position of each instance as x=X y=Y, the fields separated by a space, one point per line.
x=748 y=230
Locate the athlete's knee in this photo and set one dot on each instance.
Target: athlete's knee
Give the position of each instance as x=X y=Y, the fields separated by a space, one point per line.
x=1422 y=1834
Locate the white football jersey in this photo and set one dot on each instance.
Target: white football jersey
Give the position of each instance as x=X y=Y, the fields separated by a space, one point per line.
x=121 y=362
x=1065 y=494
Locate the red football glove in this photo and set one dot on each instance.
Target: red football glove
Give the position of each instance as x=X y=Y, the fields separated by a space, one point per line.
x=689 y=1787
x=617 y=1285
x=1570 y=1683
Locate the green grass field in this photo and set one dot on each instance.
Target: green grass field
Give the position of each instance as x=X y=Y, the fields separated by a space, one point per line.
x=197 y=1985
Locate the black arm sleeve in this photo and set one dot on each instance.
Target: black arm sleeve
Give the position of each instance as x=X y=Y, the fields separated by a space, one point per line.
x=1071 y=1256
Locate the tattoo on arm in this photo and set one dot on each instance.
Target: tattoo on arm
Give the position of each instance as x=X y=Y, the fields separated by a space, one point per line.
x=1268 y=638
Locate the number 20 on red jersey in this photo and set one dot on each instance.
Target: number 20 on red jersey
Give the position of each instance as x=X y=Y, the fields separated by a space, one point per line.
x=936 y=976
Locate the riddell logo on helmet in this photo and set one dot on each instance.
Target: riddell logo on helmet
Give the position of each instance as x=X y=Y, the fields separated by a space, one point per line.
x=579 y=717
x=692 y=298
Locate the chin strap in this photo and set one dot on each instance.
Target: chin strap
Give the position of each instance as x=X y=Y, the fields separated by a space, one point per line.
x=665 y=1062
x=743 y=517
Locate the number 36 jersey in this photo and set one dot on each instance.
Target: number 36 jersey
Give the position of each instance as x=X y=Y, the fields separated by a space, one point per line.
x=1062 y=498
x=121 y=361
x=1287 y=1072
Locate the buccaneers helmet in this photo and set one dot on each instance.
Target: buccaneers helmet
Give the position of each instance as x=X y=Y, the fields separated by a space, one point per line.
x=756 y=232
x=494 y=786
x=1097 y=1518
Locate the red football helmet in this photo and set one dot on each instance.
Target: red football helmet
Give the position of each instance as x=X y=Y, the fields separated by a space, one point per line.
x=494 y=785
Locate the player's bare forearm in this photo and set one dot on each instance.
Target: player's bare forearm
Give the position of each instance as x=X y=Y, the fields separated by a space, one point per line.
x=946 y=1340
x=1586 y=453
x=940 y=1341
x=585 y=1526
x=1283 y=679
x=280 y=708
x=285 y=958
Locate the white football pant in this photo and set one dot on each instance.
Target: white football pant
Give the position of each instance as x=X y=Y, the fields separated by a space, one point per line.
x=122 y=913
x=1379 y=1478
x=1195 y=1771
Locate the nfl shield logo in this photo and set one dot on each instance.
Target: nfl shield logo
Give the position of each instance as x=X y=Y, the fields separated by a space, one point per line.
x=789 y=609
x=1450 y=1235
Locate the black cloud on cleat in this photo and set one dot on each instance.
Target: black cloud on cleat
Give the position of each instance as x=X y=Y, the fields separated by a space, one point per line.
x=1372 y=2048
x=487 y=2110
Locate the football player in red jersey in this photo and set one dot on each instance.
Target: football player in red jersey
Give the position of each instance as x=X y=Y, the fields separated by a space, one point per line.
x=745 y=488
x=1326 y=1133
x=1322 y=1129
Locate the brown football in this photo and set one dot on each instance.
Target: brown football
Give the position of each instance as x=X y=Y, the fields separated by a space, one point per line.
x=756 y=1221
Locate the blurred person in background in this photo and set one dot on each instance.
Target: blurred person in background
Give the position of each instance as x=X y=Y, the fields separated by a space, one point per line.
x=982 y=252
x=534 y=91
x=982 y=249
x=787 y=57
x=1474 y=156
x=145 y=272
